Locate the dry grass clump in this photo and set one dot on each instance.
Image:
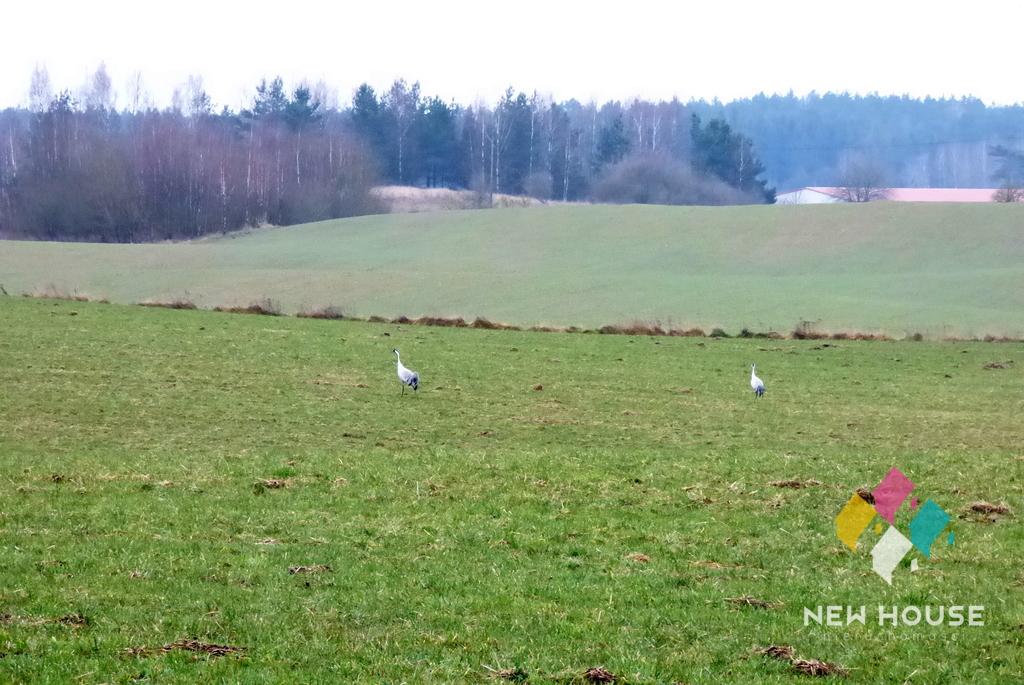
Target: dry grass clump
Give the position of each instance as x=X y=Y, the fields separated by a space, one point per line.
x=188 y=645
x=169 y=304
x=487 y=324
x=329 y=312
x=811 y=667
x=264 y=307
x=457 y=322
x=795 y=484
x=52 y=292
x=748 y=601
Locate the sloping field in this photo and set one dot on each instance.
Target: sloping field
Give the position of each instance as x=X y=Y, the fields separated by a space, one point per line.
x=937 y=269
x=544 y=505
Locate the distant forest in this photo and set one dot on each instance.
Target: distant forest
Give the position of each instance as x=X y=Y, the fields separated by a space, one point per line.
x=79 y=166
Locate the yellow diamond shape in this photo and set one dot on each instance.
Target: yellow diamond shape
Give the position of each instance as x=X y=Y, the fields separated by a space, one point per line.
x=853 y=519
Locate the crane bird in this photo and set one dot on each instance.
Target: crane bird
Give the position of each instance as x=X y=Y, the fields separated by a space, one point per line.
x=756 y=384
x=406 y=376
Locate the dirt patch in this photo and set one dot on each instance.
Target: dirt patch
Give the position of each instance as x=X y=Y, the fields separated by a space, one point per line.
x=538 y=387
x=315 y=568
x=599 y=674
x=986 y=512
x=197 y=646
x=783 y=652
x=262 y=485
x=515 y=675
x=812 y=667
x=999 y=365
x=713 y=565
x=748 y=601
x=638 y=557
x=795 y=484
x=866 y=495
x=75 y=620
x=989 y=508
x=817 y=668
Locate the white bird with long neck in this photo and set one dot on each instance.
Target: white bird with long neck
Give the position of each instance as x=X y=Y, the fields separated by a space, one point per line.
x=756 y=384
x=406 y=376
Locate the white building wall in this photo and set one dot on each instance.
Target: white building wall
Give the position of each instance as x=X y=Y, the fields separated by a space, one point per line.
x=805 y=196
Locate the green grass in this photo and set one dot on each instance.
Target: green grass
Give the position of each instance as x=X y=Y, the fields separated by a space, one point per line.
x=903 y=268
x=482 y=523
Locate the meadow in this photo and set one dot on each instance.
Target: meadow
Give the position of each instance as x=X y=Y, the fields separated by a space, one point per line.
x=902 y=268
x=548 y=504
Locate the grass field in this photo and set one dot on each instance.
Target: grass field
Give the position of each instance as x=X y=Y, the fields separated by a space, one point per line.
x=482 y=524
x=903 y=268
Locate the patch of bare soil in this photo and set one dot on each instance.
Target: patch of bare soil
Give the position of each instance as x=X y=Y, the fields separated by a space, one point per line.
x=812 y=667
x=748 y=601
x=515 y=675
x=188 y=645
x=315 y=568
x=866 y=495
x=986 y=512
x=599 y=674
x=795 y=484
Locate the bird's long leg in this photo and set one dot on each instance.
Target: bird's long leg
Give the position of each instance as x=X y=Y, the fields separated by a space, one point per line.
x=403 y=388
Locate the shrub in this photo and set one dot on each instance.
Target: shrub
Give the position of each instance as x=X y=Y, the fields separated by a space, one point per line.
x=649 y=178
x=329 y=312
x=264 y=307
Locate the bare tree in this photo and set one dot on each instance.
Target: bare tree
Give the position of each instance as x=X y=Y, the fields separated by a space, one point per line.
x=402 y=101
x=197 y=101
x=1009 y=193
x=862 y=180
x=98 y=93
x=136 y=90
x=40 y=93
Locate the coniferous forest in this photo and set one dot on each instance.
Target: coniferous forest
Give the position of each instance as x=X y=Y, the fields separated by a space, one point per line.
x=96 y=165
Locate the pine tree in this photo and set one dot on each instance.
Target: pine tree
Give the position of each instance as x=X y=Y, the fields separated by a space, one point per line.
x=719 y=152
x=612 y=143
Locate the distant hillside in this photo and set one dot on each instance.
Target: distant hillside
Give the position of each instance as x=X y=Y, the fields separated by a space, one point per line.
x=901 y=267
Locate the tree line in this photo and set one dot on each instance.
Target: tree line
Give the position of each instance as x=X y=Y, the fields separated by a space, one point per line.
x=81 y=170
x=78 y=167
x=814 y=140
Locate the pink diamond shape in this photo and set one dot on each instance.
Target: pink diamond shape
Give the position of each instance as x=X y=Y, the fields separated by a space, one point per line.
x=890 y=493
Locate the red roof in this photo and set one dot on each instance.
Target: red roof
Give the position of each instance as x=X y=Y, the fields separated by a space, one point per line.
x=924 y=194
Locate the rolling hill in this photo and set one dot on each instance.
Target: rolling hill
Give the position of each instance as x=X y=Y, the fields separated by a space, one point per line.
x=937 y=269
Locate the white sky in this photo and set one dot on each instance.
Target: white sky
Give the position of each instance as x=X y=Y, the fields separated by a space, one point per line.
x=473 y=50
